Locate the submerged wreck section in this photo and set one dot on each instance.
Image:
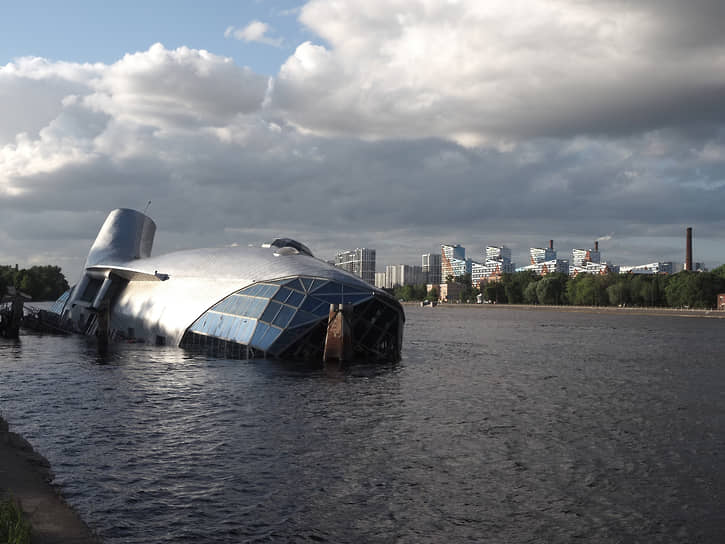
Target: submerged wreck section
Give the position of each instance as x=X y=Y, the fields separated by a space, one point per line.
x=288 y=318
x=277 y=300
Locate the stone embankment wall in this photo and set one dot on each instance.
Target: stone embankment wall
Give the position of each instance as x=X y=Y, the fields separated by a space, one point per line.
x=25 y=475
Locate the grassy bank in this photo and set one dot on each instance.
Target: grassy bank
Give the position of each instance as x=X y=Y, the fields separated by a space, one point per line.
x=14 y=528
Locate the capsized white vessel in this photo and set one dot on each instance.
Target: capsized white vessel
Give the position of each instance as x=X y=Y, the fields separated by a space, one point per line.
x=273 y=300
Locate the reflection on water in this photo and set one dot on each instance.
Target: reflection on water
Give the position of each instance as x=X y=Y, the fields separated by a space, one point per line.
x=498 y=425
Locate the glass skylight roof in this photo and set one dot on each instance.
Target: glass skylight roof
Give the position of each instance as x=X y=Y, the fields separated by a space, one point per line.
x=258 y=314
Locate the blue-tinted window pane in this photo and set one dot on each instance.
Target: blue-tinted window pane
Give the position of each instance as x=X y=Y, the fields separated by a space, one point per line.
x=282 y=294
x=252 y=290
x=245 y=330
x=227 y=323
x=231 y=304
x=227 y=304
x=330 y=298
x=256 y=307
x=316 y=284
x=283 y=317
x=58 y=304
x=295 y=298
x=330 y=288
x=243 y=306
x=210 y=323
x=270 y=337
x=271 y=311
x=287 y=338
x=355 y=297
x=306 y=283
x=231 y=334
x=219 y=306
x=259 y=333
x=208 y=320
x=310 y=304
x=219 y=324
x=295 y=284
x=303 y=317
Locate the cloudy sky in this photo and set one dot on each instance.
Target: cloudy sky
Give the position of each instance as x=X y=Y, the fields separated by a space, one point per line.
x=392 y=124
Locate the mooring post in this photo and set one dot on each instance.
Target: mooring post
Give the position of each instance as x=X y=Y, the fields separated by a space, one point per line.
x=102 y=331
x=338 y=341
x=16 y=316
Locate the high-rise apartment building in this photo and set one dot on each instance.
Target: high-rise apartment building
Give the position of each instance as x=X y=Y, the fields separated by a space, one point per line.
x=580 y=257
x=397 y=275
x=431 y=266
x=541 y=254
x=498 y=253
x=360 y=261
x=498 y=261
x=453 y=261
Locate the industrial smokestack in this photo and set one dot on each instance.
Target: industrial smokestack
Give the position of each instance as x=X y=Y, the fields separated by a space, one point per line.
x=551 y=244
x=688 y=250
x=596 y=245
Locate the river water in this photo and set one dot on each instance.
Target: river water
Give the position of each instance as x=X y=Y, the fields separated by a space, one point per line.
x=499 y=425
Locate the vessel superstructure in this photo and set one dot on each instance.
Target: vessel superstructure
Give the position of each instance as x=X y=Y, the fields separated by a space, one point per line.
x=274 y=300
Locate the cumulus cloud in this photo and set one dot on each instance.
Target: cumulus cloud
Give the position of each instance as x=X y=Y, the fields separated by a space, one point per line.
x=256 y=31
x=118 y=110
x=504 y=70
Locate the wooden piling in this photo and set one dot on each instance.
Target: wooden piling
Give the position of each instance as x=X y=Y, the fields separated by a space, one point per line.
x=338 y=340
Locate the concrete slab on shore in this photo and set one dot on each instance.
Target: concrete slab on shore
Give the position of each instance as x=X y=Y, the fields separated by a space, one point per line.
x=26 y=476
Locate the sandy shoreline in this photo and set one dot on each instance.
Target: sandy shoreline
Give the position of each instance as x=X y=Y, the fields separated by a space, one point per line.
x=678 y=312
x=26 y=475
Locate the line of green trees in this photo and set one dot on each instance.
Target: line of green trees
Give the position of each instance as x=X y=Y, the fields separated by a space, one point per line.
x=681 y=290
x=40 y=282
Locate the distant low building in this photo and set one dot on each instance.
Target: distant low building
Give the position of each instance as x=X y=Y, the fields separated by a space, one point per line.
x=593 y=268
x=448 y=292
x=721 y=301
x=542 y=268
x=650 y=268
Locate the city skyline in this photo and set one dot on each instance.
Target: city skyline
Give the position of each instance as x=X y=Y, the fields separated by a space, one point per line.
x=478 y=254
x=346 y=124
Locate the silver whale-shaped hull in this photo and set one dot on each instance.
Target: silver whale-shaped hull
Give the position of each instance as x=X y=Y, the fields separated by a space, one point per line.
x=273 y=300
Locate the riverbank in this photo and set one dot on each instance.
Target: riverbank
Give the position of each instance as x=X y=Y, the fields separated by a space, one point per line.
x=679 y=312
x=25 y=475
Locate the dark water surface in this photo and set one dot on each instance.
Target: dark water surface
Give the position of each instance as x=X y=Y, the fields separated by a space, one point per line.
x=499 y=425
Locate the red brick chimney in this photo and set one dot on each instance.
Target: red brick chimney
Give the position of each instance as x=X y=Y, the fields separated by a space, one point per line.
x=688 y=250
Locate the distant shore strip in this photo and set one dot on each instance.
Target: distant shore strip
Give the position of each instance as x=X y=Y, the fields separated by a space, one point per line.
x=651 y=311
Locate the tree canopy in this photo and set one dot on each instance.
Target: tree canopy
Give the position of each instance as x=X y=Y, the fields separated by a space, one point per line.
x=681 y=290
x=40 y=282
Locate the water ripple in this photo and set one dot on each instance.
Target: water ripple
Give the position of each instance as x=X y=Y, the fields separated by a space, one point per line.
x=498 y=425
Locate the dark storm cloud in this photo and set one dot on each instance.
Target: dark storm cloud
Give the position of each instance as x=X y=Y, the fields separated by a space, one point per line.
x=481 y=72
